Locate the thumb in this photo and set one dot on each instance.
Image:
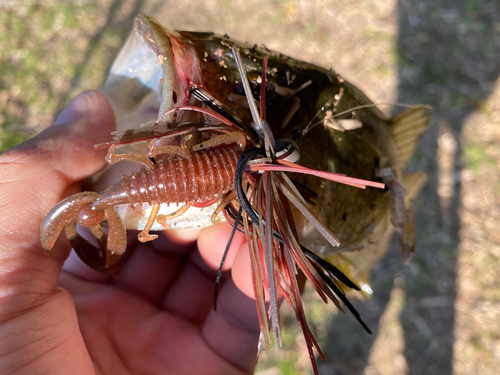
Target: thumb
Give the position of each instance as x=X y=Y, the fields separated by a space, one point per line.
x=35 y=176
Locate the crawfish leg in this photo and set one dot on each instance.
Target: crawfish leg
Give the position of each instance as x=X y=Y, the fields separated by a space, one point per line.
x=144 y=236
x=112 y=158
x=152 y=150
x=228 y=199
x=224 y=139
x=162 y=219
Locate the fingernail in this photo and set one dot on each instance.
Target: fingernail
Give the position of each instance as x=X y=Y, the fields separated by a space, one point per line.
x=75 y=108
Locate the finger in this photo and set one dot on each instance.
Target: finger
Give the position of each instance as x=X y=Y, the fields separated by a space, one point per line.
x=58 y=157
x=191 y=295
x=82 y=272
x=166 y=273
x=87 y=120
x=180 y=237
x=148 y=272
x=241 y=272
x=212 y=243
x=153 y=266
x=35 y=175
x=233 y=330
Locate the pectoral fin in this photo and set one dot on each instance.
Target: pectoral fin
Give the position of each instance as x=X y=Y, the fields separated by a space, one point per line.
x=407 y=238
x=413 y=183
x=402 y=217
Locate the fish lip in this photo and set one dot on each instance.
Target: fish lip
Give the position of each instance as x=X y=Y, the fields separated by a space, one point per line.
x=157 y=39
x=178 y=61
x=155 y=65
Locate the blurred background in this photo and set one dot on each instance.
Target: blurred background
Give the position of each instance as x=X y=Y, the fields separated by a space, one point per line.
x=440 y=313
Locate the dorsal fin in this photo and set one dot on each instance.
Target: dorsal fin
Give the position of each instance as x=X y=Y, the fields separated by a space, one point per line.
x=407 y=127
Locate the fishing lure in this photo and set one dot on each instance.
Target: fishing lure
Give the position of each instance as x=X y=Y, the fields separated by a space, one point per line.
x=282 y=149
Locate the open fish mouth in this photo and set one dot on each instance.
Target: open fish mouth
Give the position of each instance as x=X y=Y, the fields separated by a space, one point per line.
x=146 y=80
x=139 y=81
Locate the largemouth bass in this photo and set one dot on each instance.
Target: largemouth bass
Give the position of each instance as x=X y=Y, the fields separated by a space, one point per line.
x=193 y=91
x=346 y=133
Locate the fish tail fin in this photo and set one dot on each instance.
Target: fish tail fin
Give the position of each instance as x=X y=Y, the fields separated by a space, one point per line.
x=407 y=128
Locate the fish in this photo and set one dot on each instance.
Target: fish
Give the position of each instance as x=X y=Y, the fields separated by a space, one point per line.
x=294 y=89
x=164 y=81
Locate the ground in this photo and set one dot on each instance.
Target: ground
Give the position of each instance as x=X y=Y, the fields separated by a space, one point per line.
x=437 y=315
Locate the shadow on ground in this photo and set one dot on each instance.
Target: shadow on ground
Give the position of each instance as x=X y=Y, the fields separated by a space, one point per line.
x=448 y=57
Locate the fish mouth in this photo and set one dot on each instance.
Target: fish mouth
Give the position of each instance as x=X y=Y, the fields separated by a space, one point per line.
x=150 y=75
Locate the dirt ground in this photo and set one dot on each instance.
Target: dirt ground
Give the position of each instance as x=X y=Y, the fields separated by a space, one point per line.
x=440 y=313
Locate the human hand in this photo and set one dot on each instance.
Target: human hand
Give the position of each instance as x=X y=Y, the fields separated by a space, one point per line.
x=157 y=317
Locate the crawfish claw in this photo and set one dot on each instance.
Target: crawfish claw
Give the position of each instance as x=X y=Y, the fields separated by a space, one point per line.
x=80 y=208
x=91 y=255
x=60 y=215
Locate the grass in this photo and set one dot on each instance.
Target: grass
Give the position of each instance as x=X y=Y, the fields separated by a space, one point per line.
x=47 y=60
x=476 y=156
